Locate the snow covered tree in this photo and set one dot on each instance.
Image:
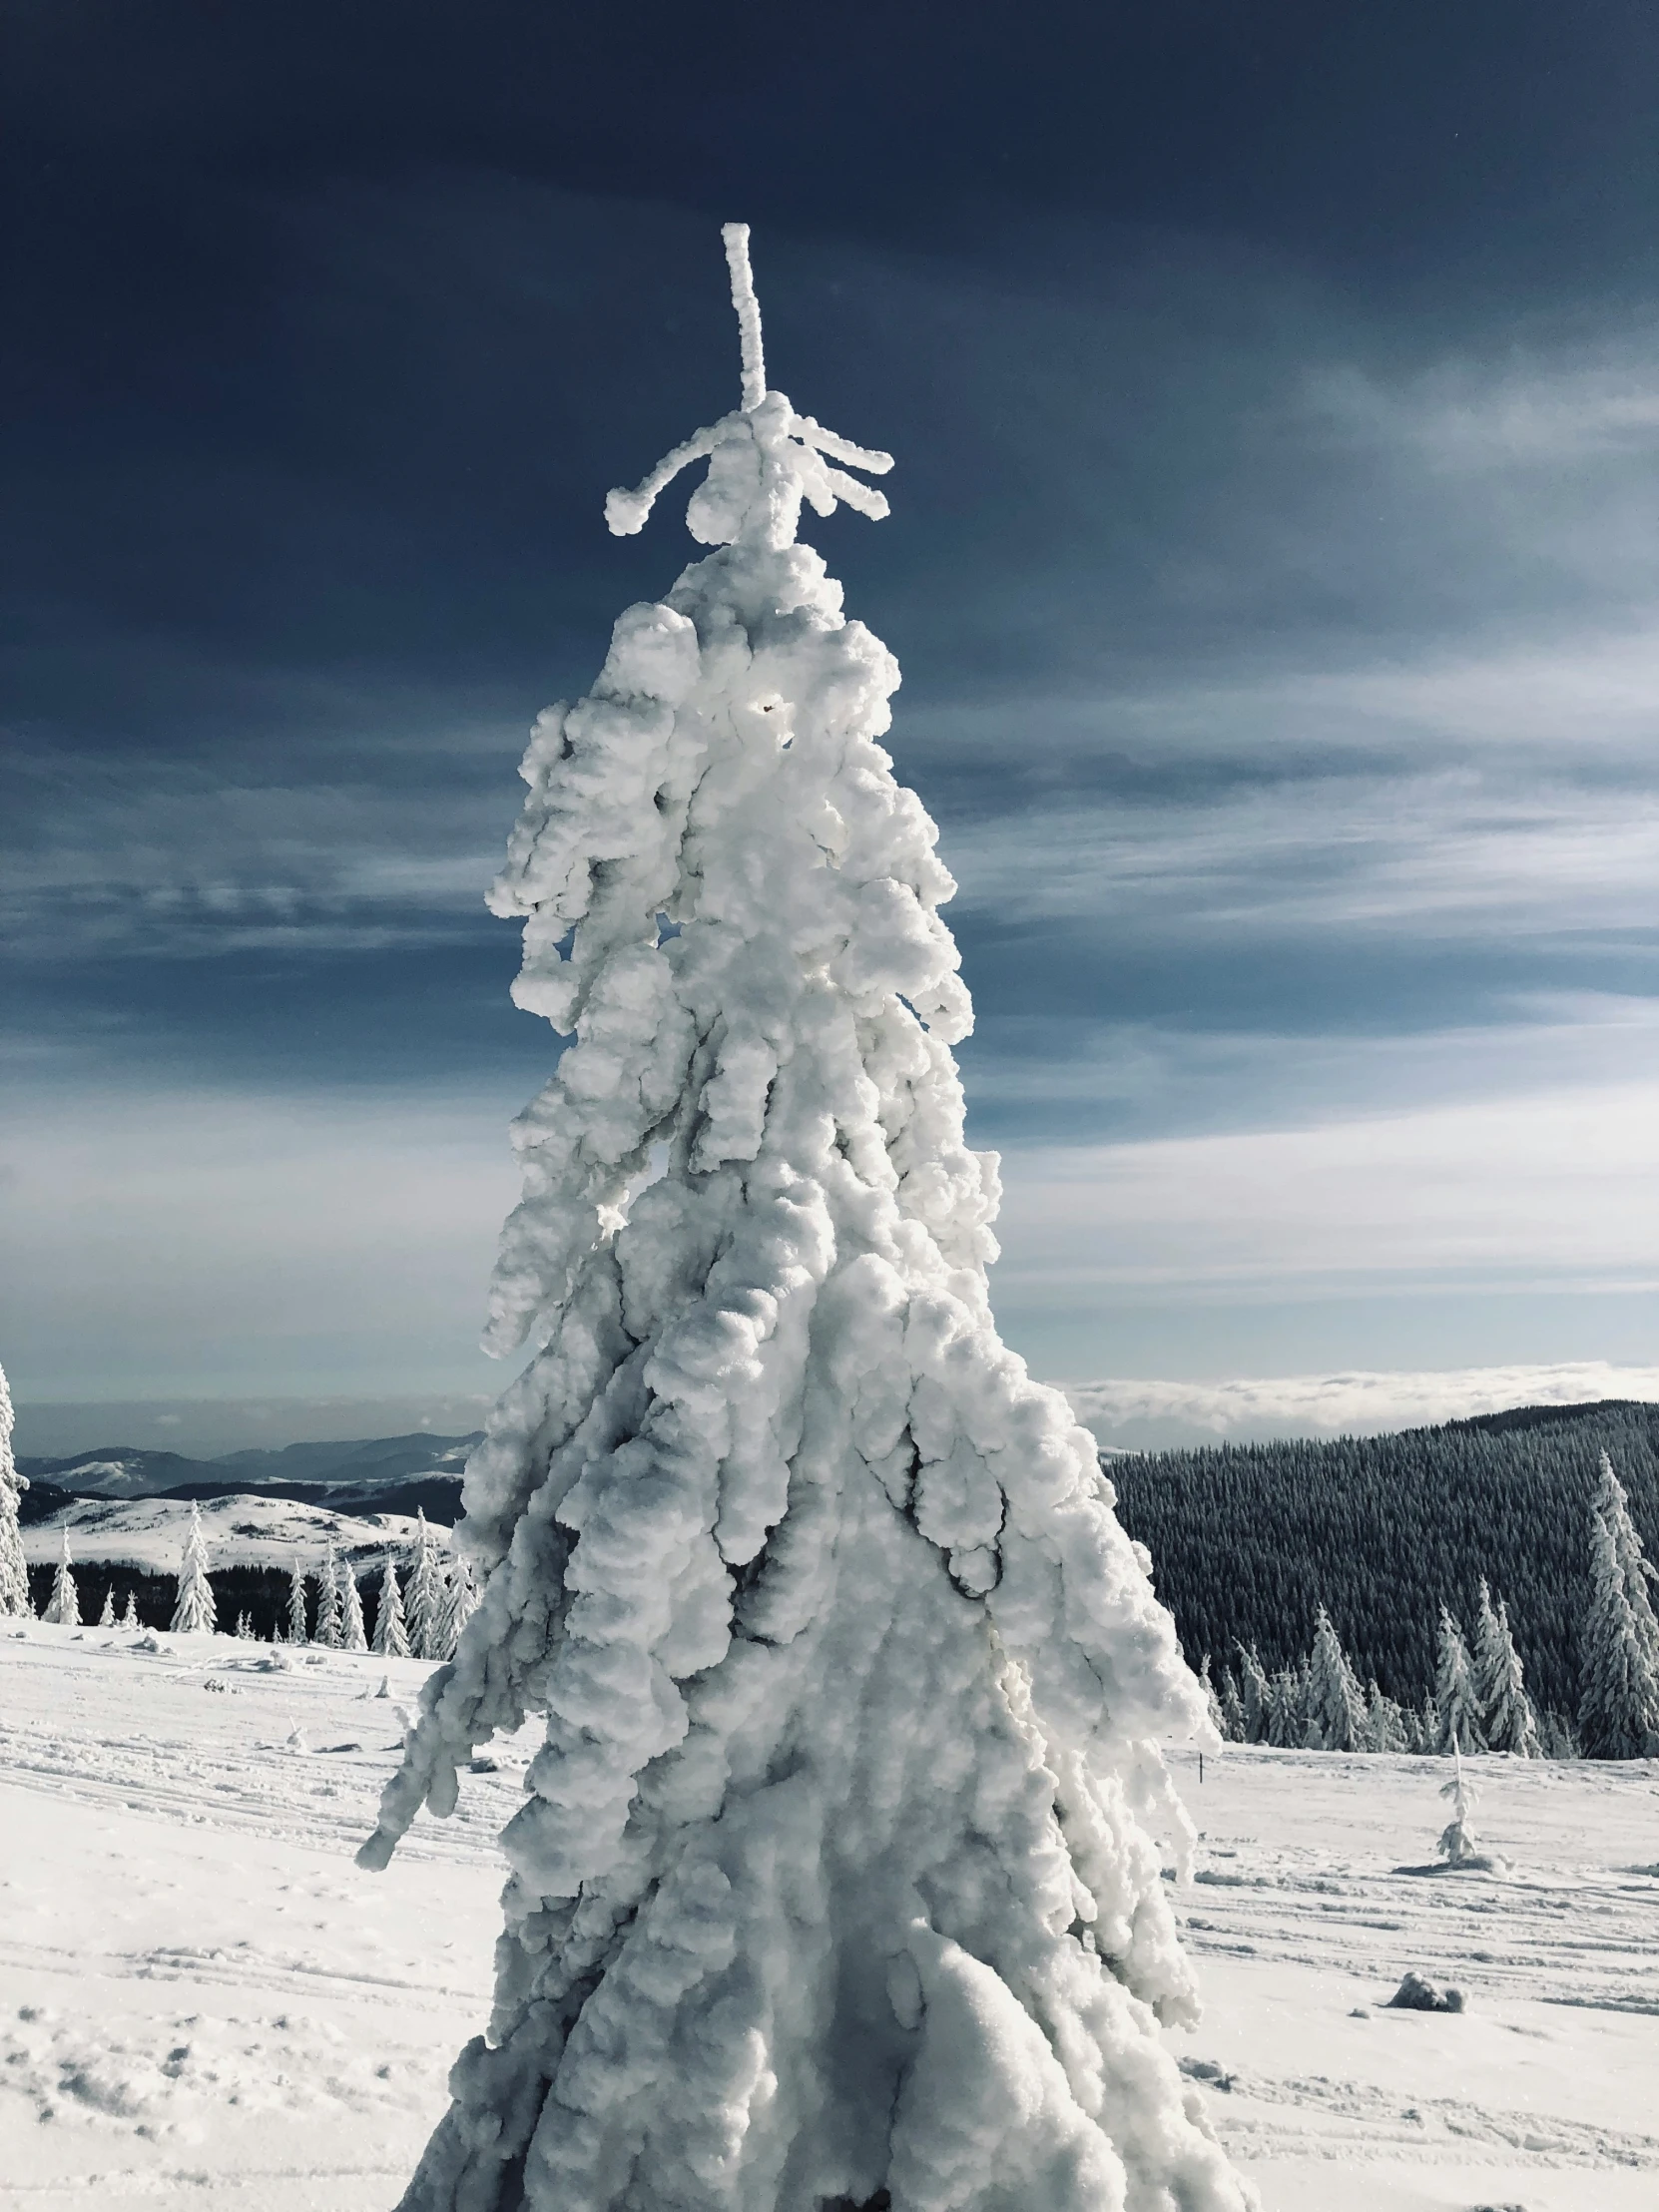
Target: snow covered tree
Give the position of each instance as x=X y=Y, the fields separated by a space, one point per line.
x=1507 y=1721
x=1211 y=1701
x=129 y=1614
x=1456 y=1699
x=63 y=1605
x=1254 y=1695
x=460 y=1602
x=391 y=1639
x=1387 y=1726
x=806 y=1573
x=1618 y=1709
x=106 y=1618
x=13 y=1570
x=1557 y=1737
x=1232 y=1707
x=352 y=1635
x=1287 y=1726
x=423 y=1598
x=1613 y=1505
x=1337 y=1716
x=194 y=1611
x=1457 y=1846
x=299 y=1630
x=244 y=1627
x=330 y=1602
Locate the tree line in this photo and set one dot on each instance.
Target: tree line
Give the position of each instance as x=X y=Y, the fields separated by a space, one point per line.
x=419 y=1617
x=1274 y=1557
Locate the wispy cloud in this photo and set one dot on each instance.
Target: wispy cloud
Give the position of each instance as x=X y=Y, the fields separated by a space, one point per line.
x=1469 y=414
x=181 y=860
x=1558 y=1188
x=1448 y=854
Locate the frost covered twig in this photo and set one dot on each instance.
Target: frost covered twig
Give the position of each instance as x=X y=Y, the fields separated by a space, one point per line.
x=735 y=237
x=763 y=459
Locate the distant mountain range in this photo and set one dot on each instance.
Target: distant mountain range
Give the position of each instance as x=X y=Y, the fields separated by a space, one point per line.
x=362 y=1477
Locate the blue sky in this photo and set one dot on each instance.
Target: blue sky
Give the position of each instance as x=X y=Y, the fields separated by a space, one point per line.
x=1272 y=565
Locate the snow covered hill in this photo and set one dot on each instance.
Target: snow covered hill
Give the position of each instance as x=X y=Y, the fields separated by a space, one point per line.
x=242 y=1530
x=202 y=1997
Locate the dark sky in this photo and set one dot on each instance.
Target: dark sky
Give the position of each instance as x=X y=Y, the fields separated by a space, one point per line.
x=1272 y=566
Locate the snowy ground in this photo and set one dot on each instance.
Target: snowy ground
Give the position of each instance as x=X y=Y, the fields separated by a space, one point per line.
x=1543 y=2093
x=200 y=1993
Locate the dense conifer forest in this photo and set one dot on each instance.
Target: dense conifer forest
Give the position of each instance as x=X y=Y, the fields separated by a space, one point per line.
x=1248 y=1540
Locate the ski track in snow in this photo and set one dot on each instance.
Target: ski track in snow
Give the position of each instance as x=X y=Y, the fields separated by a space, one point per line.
x=200 y=1993
x=1305 y=1911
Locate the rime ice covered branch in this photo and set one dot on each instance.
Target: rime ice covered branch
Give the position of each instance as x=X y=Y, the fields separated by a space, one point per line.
x=765 y=459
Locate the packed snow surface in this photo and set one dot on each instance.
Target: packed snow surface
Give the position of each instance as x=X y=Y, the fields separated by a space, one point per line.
x=202 y=2000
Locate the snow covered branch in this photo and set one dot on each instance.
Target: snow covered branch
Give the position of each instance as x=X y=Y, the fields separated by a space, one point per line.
x=765 y=459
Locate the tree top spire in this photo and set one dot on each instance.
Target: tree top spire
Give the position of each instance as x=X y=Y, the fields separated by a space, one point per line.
x=736 y=235
x=763 y=459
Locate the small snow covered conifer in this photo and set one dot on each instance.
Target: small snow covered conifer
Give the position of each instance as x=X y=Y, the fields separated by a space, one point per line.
x=194 y=1611
x=1613 y=1505
x=129 y=1613
x=106 y=1618
x=13 y=1569
x=1457 y=1846
x=1456 y=1698
x=1232 y=1707
x=391 y=1639
x=1254 y=1695
x=423 y=1597
x=1337 y=1716
x=1286 y=1726
x=835 y=1879
x=1212 y=1699
x=1618 y=1709
x=244 y=1627
x=460 y=1602
x=331 y=1608
x=299 y=1630
x=352 y=1635
x=1507 y=1720
x=63 y=1605
x=1557 y=1737
x=1387 y=1727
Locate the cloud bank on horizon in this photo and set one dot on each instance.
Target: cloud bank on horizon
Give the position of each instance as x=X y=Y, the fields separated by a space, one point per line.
x=1134 y=1415
x=1357 y=1404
